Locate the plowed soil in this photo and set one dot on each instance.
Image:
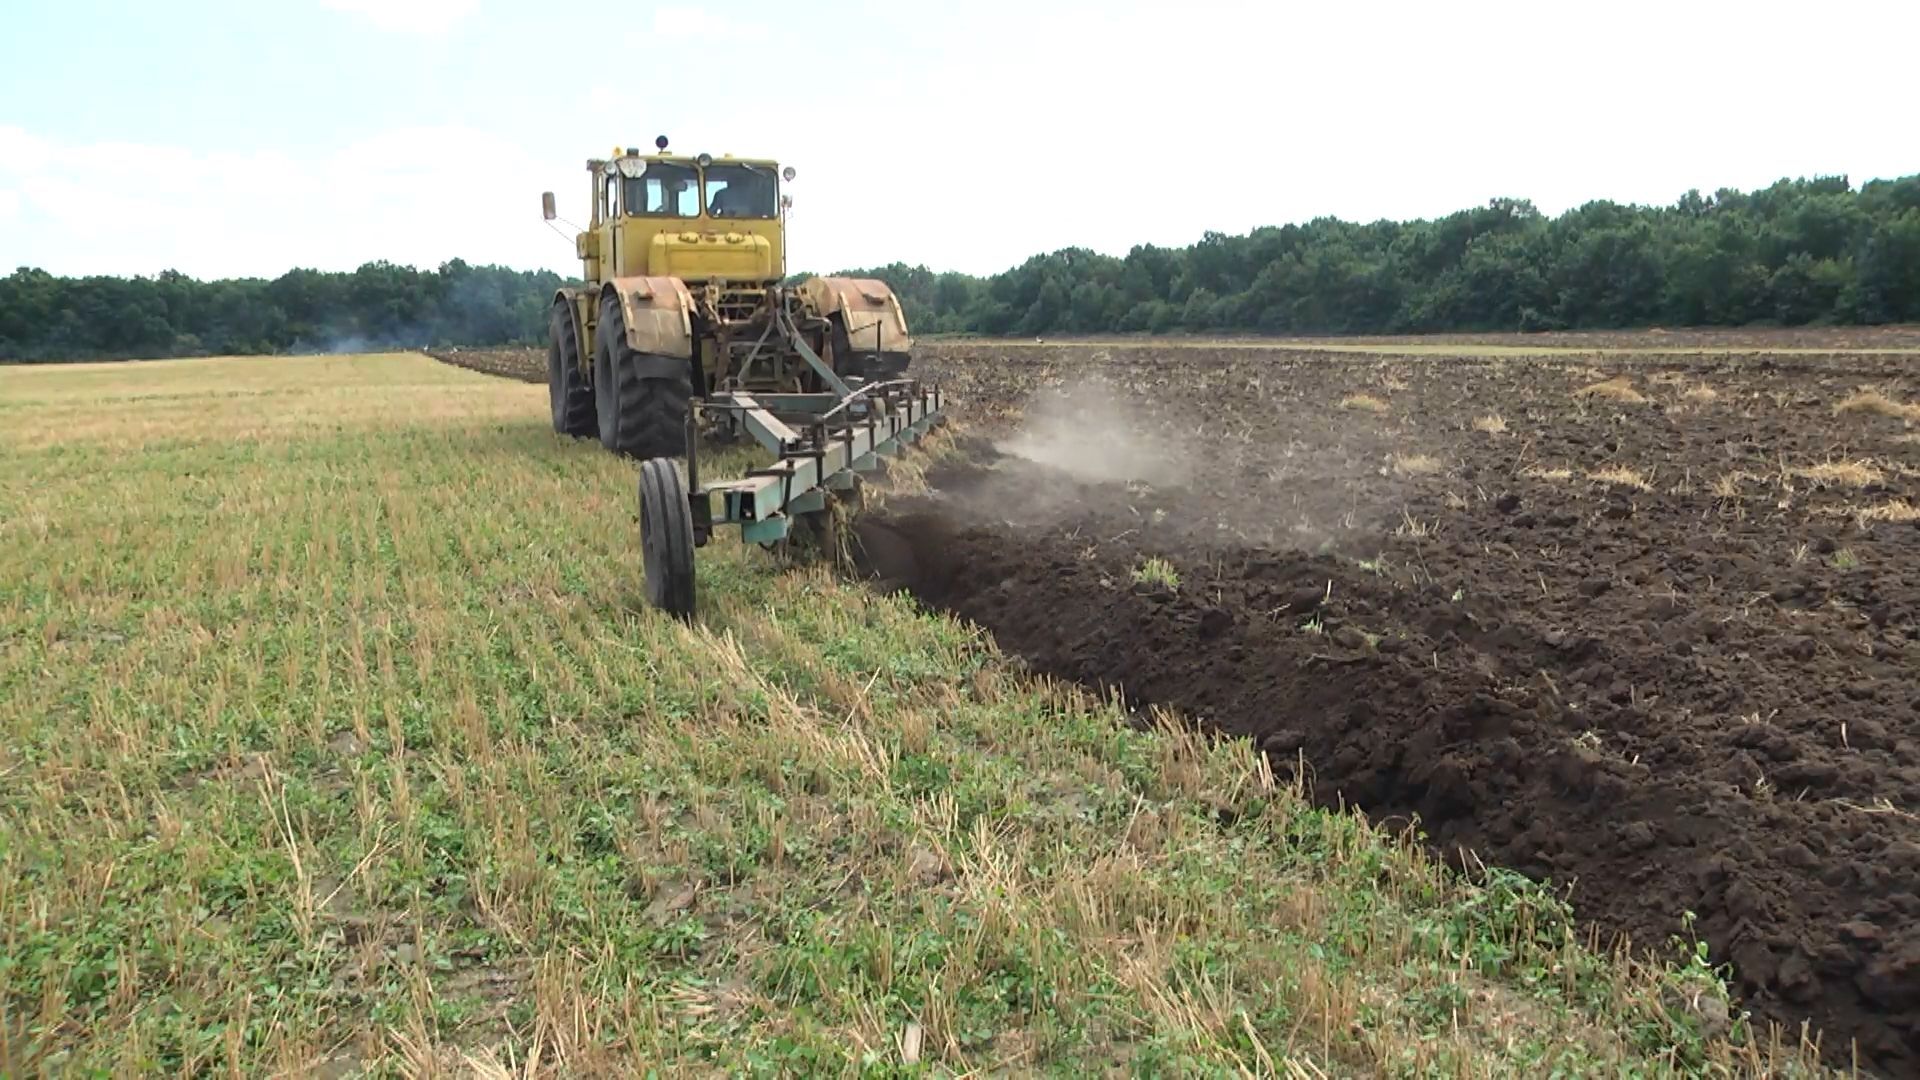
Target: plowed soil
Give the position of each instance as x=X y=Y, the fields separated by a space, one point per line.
x=1659 y=651
x=523 y=365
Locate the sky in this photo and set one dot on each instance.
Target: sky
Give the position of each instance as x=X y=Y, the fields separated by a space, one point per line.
x=242 y=139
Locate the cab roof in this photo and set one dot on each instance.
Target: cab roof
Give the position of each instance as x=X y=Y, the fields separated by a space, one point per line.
x=687 y=160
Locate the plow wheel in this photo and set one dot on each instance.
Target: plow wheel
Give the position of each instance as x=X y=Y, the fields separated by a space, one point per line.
x=641 y=399
x=666 y=537
x=567 y=388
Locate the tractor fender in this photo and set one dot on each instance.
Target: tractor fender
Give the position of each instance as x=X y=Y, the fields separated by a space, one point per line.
x=658 y=313
x=865 y=306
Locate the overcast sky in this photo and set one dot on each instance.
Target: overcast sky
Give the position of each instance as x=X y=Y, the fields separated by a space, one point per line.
x=244 y=138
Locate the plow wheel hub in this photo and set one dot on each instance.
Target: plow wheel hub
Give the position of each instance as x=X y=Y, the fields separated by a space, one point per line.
x=666 y=537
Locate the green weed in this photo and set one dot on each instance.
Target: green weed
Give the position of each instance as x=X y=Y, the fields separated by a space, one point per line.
x=1157 y=571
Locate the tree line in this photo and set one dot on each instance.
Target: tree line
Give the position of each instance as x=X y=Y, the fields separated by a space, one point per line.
x=378 y=306
x=1800 y=251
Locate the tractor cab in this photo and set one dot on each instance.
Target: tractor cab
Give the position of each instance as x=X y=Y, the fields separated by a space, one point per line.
x=695 y=218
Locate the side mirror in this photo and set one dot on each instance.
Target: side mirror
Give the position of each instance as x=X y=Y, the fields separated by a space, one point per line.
x=546 y=206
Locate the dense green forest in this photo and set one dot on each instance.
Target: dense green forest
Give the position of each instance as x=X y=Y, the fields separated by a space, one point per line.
x=1801 y=251
x=379 y=306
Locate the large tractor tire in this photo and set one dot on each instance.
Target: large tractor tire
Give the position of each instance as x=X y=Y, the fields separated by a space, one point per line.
x=641 y=399
x=567 y=385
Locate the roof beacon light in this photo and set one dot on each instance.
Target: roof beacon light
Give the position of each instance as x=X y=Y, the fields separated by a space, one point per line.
x=661 y=142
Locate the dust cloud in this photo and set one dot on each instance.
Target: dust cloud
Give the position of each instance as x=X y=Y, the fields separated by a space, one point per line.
x=1109 y=458
x=1087 y=431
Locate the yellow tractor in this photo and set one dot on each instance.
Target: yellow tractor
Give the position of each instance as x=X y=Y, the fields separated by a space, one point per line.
x=685 y=264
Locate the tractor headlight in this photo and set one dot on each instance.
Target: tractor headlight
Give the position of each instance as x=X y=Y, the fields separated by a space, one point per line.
x=631 y=167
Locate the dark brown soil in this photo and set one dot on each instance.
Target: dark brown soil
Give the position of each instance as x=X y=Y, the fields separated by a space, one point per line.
x=1700 y=696
x=524 y=365
x=1688 y=340
x=1741 y=339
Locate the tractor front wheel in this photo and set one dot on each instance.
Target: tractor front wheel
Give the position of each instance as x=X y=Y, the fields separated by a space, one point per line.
x=641 y=399
x=567 y=387
x=666 y=537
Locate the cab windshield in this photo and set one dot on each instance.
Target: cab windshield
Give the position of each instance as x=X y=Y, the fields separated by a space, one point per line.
x=664 y=190
x=741 y=191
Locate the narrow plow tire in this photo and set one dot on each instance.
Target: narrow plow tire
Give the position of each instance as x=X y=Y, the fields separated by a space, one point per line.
x=641 y=399
x=666 y=537
x=567 y=386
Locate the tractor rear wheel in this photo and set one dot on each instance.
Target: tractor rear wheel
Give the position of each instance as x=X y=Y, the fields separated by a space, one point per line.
x=567 y=385
x=641 y=399
x=666 y=537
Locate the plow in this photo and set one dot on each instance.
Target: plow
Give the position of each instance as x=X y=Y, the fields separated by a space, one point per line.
x=822 y=445
x=687 y=325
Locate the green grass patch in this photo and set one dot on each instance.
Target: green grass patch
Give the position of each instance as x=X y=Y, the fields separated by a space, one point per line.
x=1156 y=571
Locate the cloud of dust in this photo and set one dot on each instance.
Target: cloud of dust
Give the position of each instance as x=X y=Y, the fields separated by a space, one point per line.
x=1088 y=431
x=1303 y=479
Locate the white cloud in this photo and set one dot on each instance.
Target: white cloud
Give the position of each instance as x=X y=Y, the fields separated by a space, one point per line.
x=418 y=196
x=673 y=21
x=9 y=204
x=20 y=151
x=407 y=16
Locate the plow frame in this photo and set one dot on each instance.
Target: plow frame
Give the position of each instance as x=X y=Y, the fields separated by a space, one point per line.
x=821 y=443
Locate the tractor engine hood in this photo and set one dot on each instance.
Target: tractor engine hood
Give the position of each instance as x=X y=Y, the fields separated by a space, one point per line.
x=701 y=254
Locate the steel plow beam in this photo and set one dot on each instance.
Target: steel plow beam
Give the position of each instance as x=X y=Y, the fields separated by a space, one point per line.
x=824 y=455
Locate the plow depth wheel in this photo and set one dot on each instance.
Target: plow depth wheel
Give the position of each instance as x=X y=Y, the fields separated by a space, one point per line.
x=666 y=537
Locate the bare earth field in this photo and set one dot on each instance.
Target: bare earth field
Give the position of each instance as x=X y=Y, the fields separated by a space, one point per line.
x=1746 y=340
x=1644 y=626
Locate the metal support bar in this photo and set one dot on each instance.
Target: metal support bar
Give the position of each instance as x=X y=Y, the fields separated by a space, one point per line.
x=767 y=429
x=699 y=503
x=824 y=458
x=812 y=358
x=764 y=532
x=808 y=404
